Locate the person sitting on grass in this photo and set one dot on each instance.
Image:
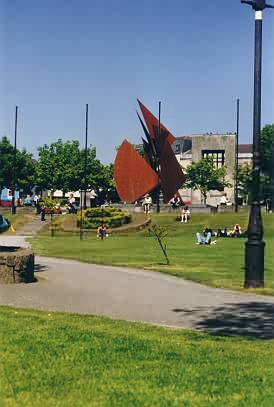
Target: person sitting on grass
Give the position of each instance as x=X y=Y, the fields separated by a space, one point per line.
x=147 y=203
x=237 y=231
x=102 y=232
x=223 y=232
x=205 y=237
x=185 y=214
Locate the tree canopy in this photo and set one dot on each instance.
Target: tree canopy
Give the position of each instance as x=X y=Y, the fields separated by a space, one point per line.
x=24 y=167
x=61 y=167
x=203 y=176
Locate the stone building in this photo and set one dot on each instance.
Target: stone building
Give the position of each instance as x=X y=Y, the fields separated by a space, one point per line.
x=220 y=147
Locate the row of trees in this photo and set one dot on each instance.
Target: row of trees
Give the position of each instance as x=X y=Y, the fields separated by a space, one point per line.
x=60 y=166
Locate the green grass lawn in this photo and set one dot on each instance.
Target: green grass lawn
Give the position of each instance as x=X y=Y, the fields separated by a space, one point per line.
x=54 y=359
x=220 y=265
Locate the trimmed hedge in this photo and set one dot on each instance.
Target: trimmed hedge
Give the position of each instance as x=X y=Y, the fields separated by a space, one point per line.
x=111 y=217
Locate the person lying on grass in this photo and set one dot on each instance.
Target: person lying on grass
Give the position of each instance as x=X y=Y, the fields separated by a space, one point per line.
x=205 y=237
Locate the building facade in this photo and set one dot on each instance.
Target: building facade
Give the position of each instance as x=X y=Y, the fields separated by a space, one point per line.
x=222 y=149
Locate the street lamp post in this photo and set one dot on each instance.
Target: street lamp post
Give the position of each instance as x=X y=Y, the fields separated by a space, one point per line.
x=254 y=250
x=13 y=207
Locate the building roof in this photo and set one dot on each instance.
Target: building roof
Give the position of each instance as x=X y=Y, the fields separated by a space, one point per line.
x=245 y=148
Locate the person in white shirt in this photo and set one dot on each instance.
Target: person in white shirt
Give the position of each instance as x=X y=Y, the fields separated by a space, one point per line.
x=147 y=203
x=223 y=200
x=185 y=214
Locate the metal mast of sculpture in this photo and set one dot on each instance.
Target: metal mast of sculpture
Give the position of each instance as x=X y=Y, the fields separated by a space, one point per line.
x=254 y=252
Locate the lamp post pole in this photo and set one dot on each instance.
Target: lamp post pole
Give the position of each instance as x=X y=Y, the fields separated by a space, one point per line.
x=13 y=207
x=237 y=157
x=272 y=181
x=254 y=247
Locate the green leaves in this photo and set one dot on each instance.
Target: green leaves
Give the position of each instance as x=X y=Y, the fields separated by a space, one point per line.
x=61 y=165
x=24 y=167
x=204 y=176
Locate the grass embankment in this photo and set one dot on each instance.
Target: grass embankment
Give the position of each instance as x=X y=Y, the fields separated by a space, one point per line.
x=69 y=360
x=18 y=221
x=220 y=265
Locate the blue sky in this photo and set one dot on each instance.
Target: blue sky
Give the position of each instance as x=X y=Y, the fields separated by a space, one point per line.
x=194 y=56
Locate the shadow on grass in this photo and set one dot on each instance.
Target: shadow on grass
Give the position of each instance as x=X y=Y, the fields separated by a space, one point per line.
x=249 y=319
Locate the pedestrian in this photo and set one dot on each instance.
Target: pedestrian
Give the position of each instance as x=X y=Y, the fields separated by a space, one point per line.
x=43 y=212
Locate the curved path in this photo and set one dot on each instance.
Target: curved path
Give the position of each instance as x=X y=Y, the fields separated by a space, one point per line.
x=136 y=295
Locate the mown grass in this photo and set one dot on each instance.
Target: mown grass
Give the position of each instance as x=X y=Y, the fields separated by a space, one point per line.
x=220 y=265
x=56 y=360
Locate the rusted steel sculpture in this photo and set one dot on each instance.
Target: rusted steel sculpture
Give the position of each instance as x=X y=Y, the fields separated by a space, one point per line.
x=135 y=176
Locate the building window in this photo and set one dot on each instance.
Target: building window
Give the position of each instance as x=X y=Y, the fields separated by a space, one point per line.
x=218 y=157
x=177 y=148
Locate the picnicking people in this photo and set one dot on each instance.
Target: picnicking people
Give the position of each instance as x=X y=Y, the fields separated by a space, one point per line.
x=205 y=237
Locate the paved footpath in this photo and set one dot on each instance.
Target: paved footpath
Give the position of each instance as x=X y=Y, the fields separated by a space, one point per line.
x=136 y=295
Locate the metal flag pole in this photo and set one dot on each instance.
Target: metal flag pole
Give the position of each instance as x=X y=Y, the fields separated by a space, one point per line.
x=237 y=158
x=81 y=215
x=158 y=159
x=254 y=247
x=13 y=207
x=86 y=160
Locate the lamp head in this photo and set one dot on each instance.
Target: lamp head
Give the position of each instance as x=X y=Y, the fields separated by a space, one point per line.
x=257 y=5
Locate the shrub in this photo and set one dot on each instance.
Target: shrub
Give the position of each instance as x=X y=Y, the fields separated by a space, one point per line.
x=111 y=217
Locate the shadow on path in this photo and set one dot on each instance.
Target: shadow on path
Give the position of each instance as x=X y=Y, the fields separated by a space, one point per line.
x=38 y=268
x=249 y=319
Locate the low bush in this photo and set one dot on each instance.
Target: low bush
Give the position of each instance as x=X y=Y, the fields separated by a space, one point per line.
x=111 y=217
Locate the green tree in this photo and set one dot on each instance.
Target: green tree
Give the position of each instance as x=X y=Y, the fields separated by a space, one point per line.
x=61 y=166
x=245 y=180
x=267 y=149
x=267 y=161
x=58 y=166
x=6 y=160
x=203 y=176
x=24 y=170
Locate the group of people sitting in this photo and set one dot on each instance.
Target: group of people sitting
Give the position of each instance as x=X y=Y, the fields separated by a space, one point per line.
x=206 y=236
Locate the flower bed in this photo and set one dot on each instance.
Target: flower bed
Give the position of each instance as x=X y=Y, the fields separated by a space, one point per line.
x=111 y=217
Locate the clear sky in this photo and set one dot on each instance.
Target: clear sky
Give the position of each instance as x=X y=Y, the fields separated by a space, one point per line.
x=194 y=56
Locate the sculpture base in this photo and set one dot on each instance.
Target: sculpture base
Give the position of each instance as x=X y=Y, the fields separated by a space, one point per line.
x=16 y=265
